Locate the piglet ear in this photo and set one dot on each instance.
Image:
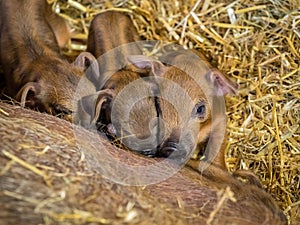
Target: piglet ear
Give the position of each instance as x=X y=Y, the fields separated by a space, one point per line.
x=89 y=107
x=147 y=63
x=88 y=63
x=84 y=60
x=27 y=94
x=222 y=84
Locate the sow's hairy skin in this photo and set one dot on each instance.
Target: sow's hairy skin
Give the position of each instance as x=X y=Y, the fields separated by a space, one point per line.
x=45 y=176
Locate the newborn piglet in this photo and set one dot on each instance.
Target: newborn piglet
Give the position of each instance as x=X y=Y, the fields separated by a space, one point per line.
x=168 y=113
x=112 y=37
x=35 y=72
x=203 y=81
x=189 y=104
x=176 y=114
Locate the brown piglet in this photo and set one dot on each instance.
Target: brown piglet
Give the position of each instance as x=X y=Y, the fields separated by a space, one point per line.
x=189 y=104
x=35 y=72
x=207 y=86
x=112 y=29
x=167 y=110
x=112 y=37
x=156 y=109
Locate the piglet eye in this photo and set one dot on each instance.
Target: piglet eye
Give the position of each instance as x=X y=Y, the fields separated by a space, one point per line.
x=200 y=110
x=61 y=110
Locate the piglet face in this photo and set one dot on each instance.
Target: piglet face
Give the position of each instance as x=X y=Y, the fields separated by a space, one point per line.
x=185 y=111
x=50 y=84
x=134 y=116
x=156 y=116
x=203 y=81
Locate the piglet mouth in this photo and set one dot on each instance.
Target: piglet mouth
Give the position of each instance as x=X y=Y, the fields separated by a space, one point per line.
x=62 y=112
x=168 y=150
x=148 y=152
x=162 y=152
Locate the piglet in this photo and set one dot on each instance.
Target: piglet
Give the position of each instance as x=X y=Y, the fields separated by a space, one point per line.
x=35 y=72
x=187 y=101
x=177 y=115
x=209 y=85
x=168 y=110
x=112 y=37
x=112 y=29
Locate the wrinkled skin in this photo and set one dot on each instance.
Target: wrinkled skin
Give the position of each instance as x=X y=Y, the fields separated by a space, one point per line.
x=35 y=72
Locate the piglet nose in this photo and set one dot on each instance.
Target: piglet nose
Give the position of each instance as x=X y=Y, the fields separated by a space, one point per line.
x=167 y=149
x=148 y=152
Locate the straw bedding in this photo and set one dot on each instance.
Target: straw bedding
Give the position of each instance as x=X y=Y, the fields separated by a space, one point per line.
x=256 y=43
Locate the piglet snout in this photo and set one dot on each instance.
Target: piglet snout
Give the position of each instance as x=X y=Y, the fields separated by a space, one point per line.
x=149 y=152
x=168 y=148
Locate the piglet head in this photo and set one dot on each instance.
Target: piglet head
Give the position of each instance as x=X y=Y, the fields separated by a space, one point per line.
x=122 y=90
x=214 y=85
x=50 y=85
x=170 y=137
x=188 y=102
